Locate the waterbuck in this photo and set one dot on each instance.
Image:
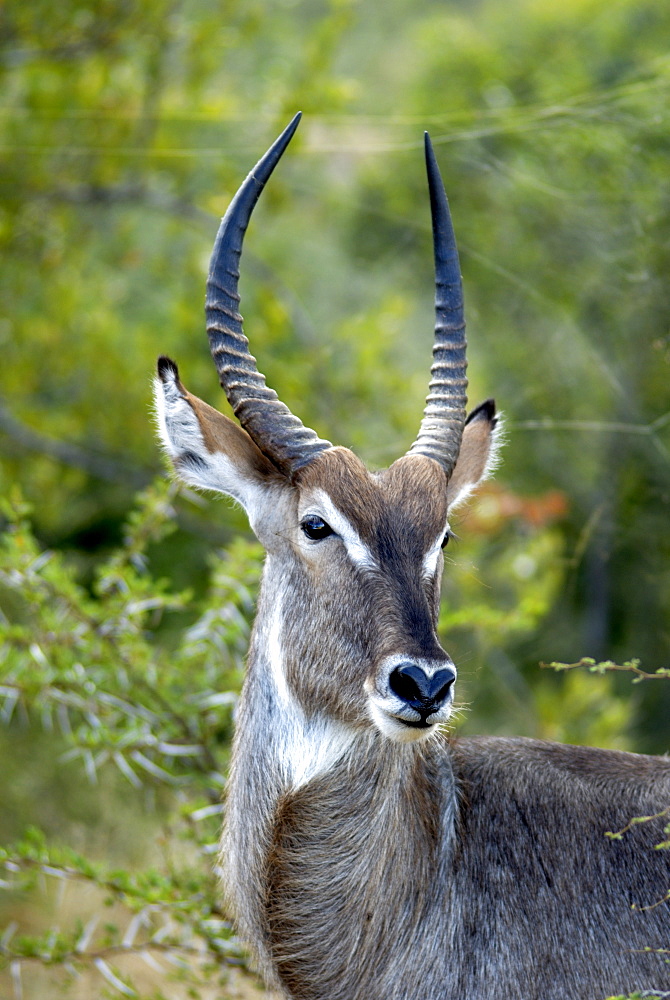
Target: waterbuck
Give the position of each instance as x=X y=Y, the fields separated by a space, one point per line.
x=368 y=854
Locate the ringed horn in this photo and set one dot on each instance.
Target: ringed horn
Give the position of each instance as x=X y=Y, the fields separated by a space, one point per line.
x=278 y=433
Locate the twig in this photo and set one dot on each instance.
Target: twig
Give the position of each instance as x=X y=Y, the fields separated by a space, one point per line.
x=597 y=426
x=95 y=194
x=639 y=819
x=101 y=953
x=652 y=906
x=608 y=666
x=100 y=466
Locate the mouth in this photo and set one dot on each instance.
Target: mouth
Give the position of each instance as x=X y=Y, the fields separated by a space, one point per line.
x=402 y=730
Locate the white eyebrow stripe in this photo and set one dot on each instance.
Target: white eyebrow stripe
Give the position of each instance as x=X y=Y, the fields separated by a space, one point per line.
x=433 y=554
x=322 y=506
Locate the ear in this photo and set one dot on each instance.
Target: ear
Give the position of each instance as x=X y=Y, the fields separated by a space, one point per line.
x=479 y=454
x=207 y=449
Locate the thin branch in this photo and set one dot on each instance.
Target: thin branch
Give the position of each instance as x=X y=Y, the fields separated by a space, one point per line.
x=99 y=466
x=200 y=753
x=636 y=820
x=598 y=426
x=111 y=885
x=110 y=951
x=105 y=195
x=649 y=431
x=608 y=666
x=652 y=906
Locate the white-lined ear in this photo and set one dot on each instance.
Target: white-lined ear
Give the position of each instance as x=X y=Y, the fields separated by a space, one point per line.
x=479 y=454
x=208 y=450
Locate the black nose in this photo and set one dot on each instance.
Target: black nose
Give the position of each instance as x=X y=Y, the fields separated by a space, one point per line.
x=424 y=693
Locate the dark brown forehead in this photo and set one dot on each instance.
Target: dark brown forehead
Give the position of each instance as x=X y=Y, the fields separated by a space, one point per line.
x=408 y=499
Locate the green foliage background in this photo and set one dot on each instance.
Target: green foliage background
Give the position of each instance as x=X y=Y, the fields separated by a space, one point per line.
x=125 y=128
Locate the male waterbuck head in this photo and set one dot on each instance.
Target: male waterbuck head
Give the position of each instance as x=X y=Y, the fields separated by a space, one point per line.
x=355 y=557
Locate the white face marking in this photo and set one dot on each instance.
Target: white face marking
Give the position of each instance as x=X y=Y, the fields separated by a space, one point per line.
x=305 y=747
x=396 y=730
x=276 y=657
x=432 y=555
x=388 y=711
x=322 y=506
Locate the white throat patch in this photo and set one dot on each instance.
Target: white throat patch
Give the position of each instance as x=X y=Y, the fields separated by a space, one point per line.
x=306 y=748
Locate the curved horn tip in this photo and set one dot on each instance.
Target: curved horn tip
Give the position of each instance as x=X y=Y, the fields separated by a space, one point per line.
x=268 y=162
x=282 y=141
x=435 y=182
x=295 y=121
x=428 y=147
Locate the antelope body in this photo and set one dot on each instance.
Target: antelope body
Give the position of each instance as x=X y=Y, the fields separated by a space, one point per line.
x=368 y=856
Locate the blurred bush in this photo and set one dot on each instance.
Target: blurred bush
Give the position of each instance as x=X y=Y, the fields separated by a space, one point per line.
x=124 y=131
x=89 y=669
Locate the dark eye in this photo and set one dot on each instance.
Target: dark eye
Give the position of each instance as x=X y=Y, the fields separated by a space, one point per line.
x=315 y=528
x=445 y=540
